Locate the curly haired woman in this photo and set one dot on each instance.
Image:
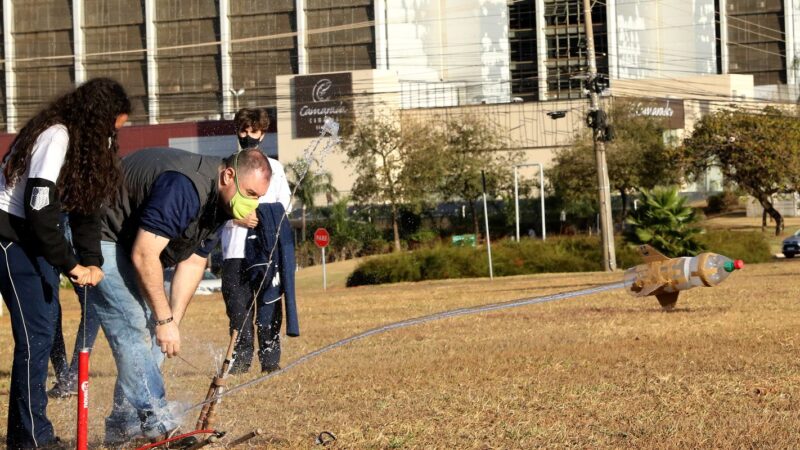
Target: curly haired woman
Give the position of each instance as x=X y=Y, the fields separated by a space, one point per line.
x=64 y=160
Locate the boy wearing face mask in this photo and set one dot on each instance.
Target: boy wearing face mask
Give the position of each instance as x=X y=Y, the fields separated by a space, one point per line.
x=251 y=125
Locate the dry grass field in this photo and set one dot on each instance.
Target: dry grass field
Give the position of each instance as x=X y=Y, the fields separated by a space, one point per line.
x=601 y=371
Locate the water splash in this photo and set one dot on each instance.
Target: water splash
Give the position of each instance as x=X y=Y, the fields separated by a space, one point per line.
x=411 y=322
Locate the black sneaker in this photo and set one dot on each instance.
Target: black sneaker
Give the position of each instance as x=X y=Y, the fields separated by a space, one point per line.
x=55 y=444
x=59 y=391
x=271 y=368
x=238 y=370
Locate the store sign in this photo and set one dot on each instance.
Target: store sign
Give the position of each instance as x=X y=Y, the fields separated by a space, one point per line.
x=669 y=109
x=320 y=96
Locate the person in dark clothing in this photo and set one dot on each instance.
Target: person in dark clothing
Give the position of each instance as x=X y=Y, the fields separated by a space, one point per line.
x=251 y=126
x=63 y=160
x=171 y=206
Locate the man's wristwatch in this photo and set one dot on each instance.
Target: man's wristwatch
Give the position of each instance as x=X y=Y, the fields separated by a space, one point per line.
x=163 y=322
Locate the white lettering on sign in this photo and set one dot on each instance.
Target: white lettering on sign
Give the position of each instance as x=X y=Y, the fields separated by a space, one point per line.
x=654 y=111
x=306 y=110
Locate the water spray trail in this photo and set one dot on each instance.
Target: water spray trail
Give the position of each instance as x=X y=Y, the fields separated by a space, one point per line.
x=417 y=321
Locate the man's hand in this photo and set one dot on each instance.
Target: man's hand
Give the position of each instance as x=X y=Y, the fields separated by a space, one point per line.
x=96 y=275
x=80 y=275
x=169 y=338
x=248 y=222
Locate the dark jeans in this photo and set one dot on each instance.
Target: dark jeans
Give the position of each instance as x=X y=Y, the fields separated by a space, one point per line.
x=67 y=375
x=238 y=295
x=29 y=286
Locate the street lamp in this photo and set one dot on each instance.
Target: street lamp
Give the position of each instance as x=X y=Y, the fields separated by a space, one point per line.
x=236 y=95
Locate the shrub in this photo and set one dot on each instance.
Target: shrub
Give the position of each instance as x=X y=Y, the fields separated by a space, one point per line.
x=577 y=254
x=307 y=254
x=392 y=268
x=423 y=238
x=561 y=254
x=377 y=246
x=665 y=222
x=750 y=246
x=723 y=202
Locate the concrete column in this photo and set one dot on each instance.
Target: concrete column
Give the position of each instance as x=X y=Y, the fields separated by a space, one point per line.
x=541 y=49
x=613 y=44
x=791 y=52
x=11 y=78
x=152 y=64
x=79 y=40
x=381 y=36
x=302 y=55
x=225 y=58
x=723 y=34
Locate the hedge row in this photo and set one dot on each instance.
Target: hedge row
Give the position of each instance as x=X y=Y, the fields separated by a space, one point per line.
x=561 y=254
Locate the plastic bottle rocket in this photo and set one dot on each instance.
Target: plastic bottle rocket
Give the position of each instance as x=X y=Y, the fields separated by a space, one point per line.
x=666 y=277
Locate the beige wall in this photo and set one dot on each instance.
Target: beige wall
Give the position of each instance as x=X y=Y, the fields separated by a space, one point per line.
x=708 y=87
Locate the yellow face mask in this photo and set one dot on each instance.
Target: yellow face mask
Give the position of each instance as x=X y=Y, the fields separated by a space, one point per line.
x=241 y=206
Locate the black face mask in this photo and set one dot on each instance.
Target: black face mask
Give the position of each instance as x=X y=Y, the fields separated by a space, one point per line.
x=249 y=142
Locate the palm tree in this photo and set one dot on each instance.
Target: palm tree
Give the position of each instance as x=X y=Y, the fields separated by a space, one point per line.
x=665 y=222
x=312 y=185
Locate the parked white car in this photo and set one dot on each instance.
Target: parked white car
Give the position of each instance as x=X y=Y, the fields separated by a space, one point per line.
x=208 y=285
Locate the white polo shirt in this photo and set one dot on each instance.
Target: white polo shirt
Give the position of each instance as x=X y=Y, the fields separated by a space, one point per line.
x=233 y=236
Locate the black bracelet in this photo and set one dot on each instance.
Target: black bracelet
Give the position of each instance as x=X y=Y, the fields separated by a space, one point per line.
x=163 y=322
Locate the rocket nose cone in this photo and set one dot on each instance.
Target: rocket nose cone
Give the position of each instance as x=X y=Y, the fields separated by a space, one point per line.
x=738 y=264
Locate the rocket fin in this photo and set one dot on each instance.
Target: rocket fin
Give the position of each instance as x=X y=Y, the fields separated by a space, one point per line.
x=668 y=299
x=649 y=254
x=648 y=290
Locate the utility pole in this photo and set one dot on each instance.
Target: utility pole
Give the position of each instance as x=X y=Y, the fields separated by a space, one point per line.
x=597 y=119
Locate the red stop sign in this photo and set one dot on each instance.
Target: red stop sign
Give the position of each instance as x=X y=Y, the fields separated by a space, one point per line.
x=322 y=238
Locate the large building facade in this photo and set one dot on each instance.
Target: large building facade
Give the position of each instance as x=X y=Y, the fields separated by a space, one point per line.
x=198 y=61
x=188 y=60
x=666 y=39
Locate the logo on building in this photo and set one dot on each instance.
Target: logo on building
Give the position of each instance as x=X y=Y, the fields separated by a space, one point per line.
x=322 y=90
x=318 y=96
x=668 y=109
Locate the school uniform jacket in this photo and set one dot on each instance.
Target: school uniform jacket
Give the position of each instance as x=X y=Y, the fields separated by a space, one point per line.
x=280 y=274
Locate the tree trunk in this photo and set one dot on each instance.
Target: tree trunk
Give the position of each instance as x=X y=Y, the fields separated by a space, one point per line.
x=395 y=229
x=776 y=216
x=303 y=236
x=475 y=224
x=763 y=219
